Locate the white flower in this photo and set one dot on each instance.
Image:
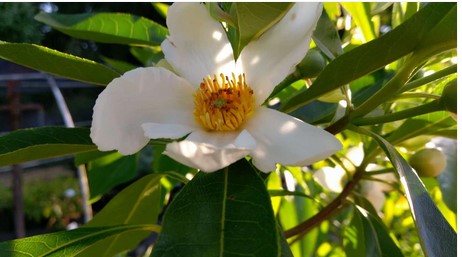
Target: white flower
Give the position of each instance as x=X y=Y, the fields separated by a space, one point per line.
x=222 y=120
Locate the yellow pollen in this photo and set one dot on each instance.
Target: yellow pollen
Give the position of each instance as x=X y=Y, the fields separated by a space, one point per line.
x=223 y=104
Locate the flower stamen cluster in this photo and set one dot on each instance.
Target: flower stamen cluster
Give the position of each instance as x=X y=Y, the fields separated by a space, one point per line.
x=223 y=104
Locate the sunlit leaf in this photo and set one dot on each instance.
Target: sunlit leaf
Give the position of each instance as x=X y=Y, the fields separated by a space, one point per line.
x=57 y=63
x=137 y=204
x=369 y=57
x=115 y=28
x=436 y=235
x=362 y=17
x=66 y=243
x=39 y=143
x=224 y=213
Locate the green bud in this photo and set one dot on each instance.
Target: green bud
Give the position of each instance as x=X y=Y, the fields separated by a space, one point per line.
x=449 y=96
x=312 y=65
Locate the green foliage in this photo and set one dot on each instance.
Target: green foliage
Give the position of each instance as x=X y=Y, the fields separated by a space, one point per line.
x=61 y=64
x=107 y=27
x=385 y=95
x=39 y=143
x=17 y=24
x=228 y=212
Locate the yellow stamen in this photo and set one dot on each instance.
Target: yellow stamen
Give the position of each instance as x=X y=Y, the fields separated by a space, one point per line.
x=223 y=104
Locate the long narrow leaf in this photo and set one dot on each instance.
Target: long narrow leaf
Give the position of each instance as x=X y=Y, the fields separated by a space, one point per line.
x=115 y=28
x=57 y=63
x=40 y=143
x=436 y=235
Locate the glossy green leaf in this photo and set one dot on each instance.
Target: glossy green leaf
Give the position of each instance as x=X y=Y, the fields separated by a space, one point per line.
x=436 y=235
x=118 y=65
x=109 y=171
x=57 y=63
x=114 y=28
x=224 y=213
x=137 y=204
x=252 y=20
x=360 y=12
x=370 y=56
x=66 y=243
x=40 y=143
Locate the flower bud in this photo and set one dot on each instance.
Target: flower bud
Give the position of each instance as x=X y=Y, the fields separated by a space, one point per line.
x=449 y=97
x=312 y=65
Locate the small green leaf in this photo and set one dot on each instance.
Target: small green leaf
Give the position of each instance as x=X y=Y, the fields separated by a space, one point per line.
x=40 y=143
x=66 y=243
x=114 y=28
x=109 y=171
x=253 y=19
x=369 y=57
x=137 y=204
x=57 y=63
x=436 y=235
x=224 y=213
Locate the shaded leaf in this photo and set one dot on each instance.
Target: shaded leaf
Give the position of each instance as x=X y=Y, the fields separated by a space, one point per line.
x=57 y=63
x=39 y=143
x=326 y=37
x=109 y=171
x=436 y=235
x=65 y=243
x=224 y=213
x=114 y=28
x=137 y=204
x=369 y=57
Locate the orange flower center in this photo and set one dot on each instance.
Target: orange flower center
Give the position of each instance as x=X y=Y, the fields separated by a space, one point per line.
x=223 y=104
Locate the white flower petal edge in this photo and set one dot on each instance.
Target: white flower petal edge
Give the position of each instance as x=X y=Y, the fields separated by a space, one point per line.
x=170 y=131
x=269 y=59
x=284 y=139
x=197 y=45
x=211 y=151
x=139 y=96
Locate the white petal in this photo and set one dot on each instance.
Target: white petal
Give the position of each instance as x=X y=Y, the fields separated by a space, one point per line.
x=284 y=139
x=211 y=151
x=268 y=60
x=197 y=45
x=159 y=130
x=139 y=96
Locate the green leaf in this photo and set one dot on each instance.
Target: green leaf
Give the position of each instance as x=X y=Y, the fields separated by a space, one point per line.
x=448 y=178
x=40 y=143
x=326 y=37
x=161 y=8
x=66 y=243
x=114 y=28
x=224 y=213
x=362 y=17
x=436 y=235
x=118 y=65
x=367 y=236
x=137 y=204
x=371 y=56
x=109 y=171
x=253 y=19
x=57 y=63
